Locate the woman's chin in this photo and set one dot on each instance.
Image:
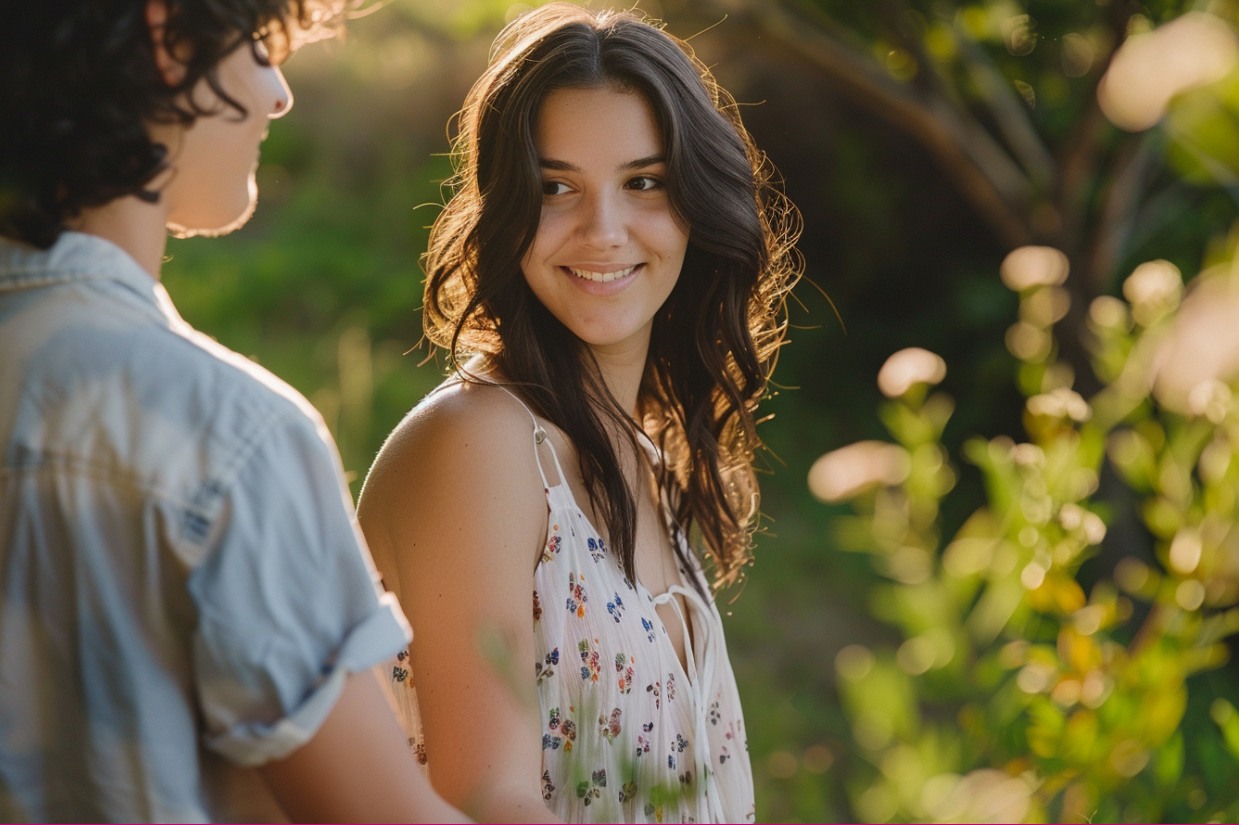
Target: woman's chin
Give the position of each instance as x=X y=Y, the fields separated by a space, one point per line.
x=608 y=340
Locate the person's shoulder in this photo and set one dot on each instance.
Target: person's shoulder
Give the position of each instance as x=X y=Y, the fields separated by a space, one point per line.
x=460 y=467
x=468 y=445
x=227 y=403
x=463 y=426
x=159 y=402
x=470 y=411
x=241 y=381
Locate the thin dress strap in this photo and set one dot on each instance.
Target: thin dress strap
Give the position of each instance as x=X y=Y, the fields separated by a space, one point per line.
x=539 y=436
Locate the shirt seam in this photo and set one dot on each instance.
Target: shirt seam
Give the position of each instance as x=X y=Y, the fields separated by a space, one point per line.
x=51 y=462
x=14 y=278
x=199 y=496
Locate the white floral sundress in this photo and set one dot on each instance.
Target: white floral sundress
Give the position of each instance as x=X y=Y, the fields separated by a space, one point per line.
x=627 y=734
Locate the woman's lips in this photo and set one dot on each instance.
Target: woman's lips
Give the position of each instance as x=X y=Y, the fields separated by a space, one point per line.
x=596 y=282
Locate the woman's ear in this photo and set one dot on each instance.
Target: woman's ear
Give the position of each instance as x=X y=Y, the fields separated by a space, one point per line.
x=172 y=69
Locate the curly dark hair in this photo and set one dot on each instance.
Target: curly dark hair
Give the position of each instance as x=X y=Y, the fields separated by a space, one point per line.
x=78 y=84
x=714 y=340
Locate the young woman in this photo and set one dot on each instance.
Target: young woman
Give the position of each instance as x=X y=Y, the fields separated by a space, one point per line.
x=608 y=278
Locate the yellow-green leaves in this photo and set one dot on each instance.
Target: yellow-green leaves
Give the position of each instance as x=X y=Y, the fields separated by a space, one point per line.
x=1057 y=694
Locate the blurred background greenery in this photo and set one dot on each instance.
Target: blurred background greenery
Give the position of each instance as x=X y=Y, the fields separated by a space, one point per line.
x=923 y=140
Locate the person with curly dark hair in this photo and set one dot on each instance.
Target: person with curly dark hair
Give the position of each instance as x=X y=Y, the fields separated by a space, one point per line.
x=189 y=618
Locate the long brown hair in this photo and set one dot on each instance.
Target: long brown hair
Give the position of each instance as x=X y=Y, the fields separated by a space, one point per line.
x=714 y=340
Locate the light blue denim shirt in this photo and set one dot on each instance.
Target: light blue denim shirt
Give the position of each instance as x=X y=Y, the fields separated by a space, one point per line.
x=183 y=589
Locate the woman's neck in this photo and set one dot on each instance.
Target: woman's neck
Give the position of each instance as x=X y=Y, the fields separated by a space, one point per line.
x=621 y=367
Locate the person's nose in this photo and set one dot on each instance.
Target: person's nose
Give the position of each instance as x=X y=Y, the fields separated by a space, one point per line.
x=603 y=222
x=283 y=96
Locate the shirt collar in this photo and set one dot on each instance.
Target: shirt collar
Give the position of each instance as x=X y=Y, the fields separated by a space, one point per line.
x=77 y=257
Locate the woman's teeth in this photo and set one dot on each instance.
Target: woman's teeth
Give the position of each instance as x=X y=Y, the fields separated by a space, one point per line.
x=602 y=277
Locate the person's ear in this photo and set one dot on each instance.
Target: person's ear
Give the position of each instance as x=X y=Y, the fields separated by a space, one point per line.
x=172 y=69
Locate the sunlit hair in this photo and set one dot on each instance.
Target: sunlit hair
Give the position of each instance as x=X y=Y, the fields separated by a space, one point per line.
x=79 y=84
x=715 y=339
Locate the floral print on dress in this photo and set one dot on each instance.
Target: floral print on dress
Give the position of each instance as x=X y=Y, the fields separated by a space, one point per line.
x=553 y=543
x=576 y=595
x=597 y=549
x=589 y=790
x=400 y=672
x=616 y=608
x=569 y=731
x=591 y=662
x=610 y=728
x=549 y=740
x=537 y=607
x=678 y=746
x=546 y=668
x=624 y=667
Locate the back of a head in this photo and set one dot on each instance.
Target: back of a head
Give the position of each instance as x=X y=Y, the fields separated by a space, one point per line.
x=79 y=85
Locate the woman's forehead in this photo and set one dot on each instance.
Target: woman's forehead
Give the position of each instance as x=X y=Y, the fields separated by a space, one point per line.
x=602 y=128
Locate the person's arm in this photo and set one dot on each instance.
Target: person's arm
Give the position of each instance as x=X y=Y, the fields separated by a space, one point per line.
x=357 y=767
x=455 y=514
x=290 y=624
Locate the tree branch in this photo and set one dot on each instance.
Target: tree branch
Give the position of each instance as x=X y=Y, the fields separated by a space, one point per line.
x=1119 y=211
x=982 y=170
x=1009 y=113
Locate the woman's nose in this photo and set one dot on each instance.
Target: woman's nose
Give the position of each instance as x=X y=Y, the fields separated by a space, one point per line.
x=603 y=224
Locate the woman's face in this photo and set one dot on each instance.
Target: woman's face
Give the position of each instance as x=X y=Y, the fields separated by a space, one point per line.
x=608 y=251
x=210 y=189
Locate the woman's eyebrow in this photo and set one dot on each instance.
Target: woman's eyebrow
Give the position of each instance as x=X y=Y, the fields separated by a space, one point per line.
x=565 y=166
x=641 y=163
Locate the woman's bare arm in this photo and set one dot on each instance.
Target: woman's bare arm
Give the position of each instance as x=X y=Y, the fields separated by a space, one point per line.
x=455 y=515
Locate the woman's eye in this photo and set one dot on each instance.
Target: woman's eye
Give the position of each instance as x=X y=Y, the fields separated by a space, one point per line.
x=645 y=183
x=551 y=187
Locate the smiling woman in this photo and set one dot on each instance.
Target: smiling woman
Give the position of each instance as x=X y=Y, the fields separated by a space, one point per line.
x=608 y=250
x=608 y=279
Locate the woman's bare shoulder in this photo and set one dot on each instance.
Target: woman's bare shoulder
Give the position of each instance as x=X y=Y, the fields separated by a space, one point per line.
x=462 y=416
x=475 y=437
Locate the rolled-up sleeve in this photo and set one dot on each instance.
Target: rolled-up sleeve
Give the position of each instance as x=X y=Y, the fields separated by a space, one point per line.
x=288 y=601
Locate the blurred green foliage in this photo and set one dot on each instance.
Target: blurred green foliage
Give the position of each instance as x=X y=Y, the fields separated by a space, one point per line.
x=1016 y=694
